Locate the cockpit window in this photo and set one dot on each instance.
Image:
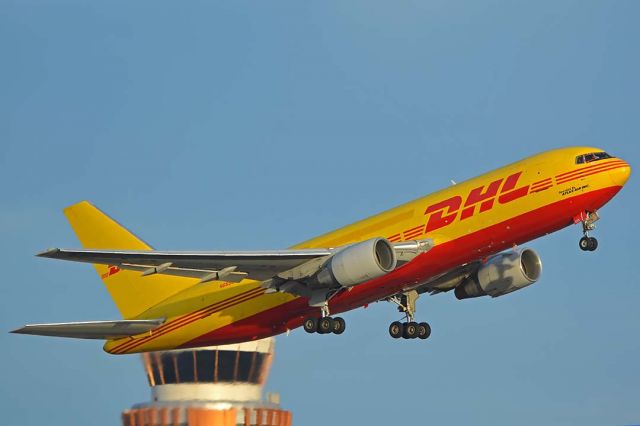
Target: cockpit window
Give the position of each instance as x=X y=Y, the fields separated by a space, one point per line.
x=593 y=156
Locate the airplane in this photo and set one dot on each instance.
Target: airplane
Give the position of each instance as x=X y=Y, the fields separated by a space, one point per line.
x=465 y=238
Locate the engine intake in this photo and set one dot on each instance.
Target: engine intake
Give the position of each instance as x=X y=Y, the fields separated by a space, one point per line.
x=358 y=263
x=502 y=274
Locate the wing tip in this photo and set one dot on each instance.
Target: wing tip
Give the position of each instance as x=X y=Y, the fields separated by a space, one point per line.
x=50 y=252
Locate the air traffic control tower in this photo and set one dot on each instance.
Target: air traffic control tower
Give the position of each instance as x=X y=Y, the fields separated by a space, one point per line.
x=212 y=386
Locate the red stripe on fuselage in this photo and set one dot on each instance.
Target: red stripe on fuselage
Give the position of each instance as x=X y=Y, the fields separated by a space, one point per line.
x=189 y=318
x=439 y=259
x=589 y=173
x=594 y=166
x=572 y=174
x=541 y=188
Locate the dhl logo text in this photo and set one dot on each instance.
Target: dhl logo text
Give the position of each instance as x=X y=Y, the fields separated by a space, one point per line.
x=480 y=199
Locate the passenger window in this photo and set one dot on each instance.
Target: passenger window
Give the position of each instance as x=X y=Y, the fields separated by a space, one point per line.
x=580 y=159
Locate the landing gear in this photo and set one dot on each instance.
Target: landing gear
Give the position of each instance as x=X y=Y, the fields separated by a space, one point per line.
x=396 y=329
x=588 y=243
x=424 y=330
x=588 y=220
x=310 y=325
x=339 y=325
x=409 y=329
x=325 y=324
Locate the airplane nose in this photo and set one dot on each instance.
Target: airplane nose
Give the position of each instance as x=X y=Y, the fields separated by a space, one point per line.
x=620 y=175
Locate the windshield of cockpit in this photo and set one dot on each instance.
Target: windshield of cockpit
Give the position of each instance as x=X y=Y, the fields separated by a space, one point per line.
x=591 y=157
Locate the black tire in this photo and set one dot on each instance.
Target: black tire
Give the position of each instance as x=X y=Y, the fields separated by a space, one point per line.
x=310 y=325
x=396 y=329
x=410 y=330
x=593 y=244
x=424 y=330
x=339 y=325
x=584 y=243
x=325 y=325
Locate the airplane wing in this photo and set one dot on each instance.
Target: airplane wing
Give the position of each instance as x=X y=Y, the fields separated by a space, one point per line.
x=92 y=329
x=230 y=266
x=208 y=266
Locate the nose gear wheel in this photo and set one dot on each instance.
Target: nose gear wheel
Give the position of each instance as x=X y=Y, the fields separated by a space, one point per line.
x=588 y=220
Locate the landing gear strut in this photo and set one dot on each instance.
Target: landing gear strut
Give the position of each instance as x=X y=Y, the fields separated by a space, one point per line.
x=409 y=329
x=588 y=220
x=325 y=324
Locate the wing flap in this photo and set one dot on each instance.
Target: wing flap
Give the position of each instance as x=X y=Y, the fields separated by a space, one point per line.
x=103 y=330
x=226 y=274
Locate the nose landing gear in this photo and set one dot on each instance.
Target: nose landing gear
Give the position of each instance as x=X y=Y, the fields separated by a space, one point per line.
x=587 y=243
x=588 y=220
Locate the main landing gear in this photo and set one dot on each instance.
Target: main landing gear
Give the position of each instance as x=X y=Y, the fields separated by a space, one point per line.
x=588 y=243
x=409 y=329
x=325 y=324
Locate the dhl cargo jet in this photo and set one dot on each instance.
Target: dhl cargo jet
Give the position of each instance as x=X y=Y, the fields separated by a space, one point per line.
x=453 y=239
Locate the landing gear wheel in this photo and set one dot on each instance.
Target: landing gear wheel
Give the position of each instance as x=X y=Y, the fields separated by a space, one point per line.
x=325 y=325
x=592 y=244
x=396 y=329
x=310 y=325
x=584 y=243
x=424 y=330
x=410 y=330
x=338 y=325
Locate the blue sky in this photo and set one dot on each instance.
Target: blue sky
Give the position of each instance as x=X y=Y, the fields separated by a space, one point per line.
x=245 y=125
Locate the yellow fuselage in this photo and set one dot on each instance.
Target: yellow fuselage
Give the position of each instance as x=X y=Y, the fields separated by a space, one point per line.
x=466 y=221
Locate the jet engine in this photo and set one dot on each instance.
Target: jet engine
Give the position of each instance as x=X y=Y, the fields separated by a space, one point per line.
x=502 y=274
x=358 y=263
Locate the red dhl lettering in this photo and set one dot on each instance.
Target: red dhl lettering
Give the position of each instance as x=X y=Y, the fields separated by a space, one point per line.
x=477 y=195
x=437 y=219
x=443 y=213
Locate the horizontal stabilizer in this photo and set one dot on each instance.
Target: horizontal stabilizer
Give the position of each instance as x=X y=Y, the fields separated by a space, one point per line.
x=104 y=330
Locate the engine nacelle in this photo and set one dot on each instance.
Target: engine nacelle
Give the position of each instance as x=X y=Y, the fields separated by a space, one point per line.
x=502 y=274
x=358 y=263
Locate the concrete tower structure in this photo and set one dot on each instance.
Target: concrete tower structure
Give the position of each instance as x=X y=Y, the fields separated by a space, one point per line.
x=215 y=385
